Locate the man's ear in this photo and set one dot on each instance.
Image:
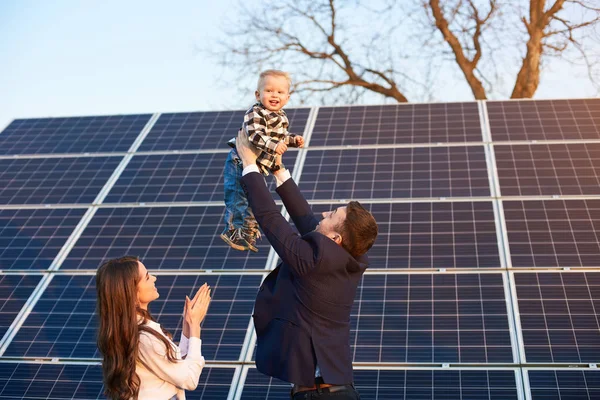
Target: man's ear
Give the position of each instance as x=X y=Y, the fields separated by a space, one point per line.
x=336 y=237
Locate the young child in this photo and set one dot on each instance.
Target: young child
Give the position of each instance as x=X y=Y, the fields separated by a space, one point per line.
x=266 y=125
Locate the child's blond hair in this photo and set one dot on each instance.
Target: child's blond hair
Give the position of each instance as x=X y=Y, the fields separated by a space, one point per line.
x=273 y=72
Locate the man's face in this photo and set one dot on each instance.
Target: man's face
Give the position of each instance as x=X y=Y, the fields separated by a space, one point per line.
x=331 y=220
x=274 y=93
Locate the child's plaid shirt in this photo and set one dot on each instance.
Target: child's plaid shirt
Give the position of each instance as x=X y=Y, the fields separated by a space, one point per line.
x=265 y=129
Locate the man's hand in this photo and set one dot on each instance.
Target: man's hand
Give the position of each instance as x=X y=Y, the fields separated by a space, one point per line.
x=299 y=141
x=281 y=148
x=245 y=150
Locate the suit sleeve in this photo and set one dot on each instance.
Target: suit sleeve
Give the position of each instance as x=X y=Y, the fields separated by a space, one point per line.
x=296 y=253
x=297 y=207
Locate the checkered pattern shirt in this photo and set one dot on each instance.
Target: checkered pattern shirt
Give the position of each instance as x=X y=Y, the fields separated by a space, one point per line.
x=265 y=129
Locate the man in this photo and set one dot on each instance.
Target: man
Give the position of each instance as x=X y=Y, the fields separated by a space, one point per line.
x=302 y=310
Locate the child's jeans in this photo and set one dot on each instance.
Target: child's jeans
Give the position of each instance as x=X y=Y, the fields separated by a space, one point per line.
x=238 y=213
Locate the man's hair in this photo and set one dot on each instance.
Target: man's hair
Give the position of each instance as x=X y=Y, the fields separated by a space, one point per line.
x=273 y=72
x=359 y=230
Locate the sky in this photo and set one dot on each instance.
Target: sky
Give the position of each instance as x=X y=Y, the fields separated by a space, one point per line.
x=74 y=58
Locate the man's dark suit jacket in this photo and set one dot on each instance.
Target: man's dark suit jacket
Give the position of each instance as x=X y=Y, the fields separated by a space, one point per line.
x=302 y=310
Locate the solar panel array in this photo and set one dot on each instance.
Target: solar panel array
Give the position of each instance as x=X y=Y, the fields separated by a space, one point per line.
x=484 y=281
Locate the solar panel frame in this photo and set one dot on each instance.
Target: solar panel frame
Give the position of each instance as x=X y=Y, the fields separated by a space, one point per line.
x=500 y=212
x=566 y=169
x=169 y=178
x=387 y=173
x=447 y=235
x=558 y=316
x=32 y=238
x=97 y=134
x=65 y=180
x=401 y=384
x=394 y=124
x=563 y=384
x=207 y=130
x=15 y=291
x=62 y=323
x=553 y=233
x=84 y=381
x=169 y=237
x=425 y=314
x=438 y=322
x=544 y=119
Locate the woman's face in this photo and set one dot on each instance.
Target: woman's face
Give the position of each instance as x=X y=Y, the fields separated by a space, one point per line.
x=146 y=290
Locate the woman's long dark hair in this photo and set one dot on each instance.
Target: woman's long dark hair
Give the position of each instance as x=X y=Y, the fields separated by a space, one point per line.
x=120 y=326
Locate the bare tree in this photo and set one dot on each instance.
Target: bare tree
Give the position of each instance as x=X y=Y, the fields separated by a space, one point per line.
x=547 y=34
x=397 y=49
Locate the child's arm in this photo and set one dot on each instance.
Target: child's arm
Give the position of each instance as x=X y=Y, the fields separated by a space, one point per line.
x=296 y=141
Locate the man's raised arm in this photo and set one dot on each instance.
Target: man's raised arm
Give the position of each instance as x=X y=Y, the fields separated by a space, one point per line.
x=293 y=250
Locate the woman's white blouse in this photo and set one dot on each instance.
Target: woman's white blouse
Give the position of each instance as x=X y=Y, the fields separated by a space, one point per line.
x=162 y=379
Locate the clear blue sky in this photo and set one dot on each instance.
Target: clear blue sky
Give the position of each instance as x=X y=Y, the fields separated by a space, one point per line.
x=64 y=58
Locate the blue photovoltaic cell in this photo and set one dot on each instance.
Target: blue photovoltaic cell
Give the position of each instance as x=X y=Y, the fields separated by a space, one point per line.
x=63 y=322
x=14 y=292
x=397 y=124
x=432 y=235
x=559 y=316
x=84 y=381
x=164 y=237
x=176 y=177
x=564 y=385
x=553 y=233
x=395 y=173
x=549 y=169
x=31 y=239
x=54 y=180
x=115 y=133
x=454 y=318
x=431 y=318
x=403 y=385
x=206 y=130
x=544 y=119
x=50 y=381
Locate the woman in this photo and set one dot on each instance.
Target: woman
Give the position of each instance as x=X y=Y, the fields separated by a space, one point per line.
x=139 y=359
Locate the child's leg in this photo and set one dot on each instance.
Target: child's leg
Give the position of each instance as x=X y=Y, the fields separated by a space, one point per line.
x=236 y=202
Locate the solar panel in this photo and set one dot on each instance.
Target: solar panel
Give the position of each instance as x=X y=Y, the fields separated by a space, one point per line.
x=14 y=292
x=559 y=316
x=54 y=180
x=544 y=119
x=32 y=238
x=206 y=130
x=561 y=385
x=553 y=233
x=432 y=235
x=176 y=178
x=395 y=173
x=164 y=237
x=397 y=124
x=430 y=318
x=453 y=318
x=84 y=381
x=549 y=169
x=424 y=170
x=63 y=323
x=401 y=384
x=115 y=133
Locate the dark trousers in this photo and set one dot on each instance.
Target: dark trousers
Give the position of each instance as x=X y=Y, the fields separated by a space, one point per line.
x=346 y=392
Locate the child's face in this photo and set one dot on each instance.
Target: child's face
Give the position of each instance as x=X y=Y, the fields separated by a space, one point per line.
x=274 y=93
